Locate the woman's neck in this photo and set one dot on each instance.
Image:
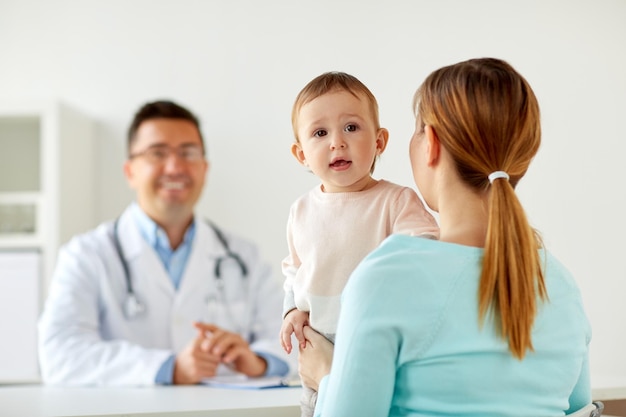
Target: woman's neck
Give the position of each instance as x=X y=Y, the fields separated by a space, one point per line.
x=463 y=217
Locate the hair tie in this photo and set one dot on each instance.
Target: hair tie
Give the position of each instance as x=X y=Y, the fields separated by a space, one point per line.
x=497 y=174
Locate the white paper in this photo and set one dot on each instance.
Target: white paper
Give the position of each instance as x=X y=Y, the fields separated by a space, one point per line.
x=244 y=382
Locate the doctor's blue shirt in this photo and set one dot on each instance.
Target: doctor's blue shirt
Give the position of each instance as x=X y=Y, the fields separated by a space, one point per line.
x=174 y=261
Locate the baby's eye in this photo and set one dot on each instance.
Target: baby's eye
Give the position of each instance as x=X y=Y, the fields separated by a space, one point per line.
x=351 y=128
x=320 y=133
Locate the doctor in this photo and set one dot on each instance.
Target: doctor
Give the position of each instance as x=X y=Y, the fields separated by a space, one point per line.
x=160 y=295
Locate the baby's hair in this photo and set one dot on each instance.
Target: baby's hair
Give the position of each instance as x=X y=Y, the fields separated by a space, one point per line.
x=330 y=82
x=486 y=116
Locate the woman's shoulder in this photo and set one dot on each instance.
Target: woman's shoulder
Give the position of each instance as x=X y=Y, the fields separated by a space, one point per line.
x=422 y=247
x=557 y=276
x=408 y=276
x=411 y=258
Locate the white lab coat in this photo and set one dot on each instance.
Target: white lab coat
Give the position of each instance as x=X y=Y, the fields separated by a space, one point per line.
x=84 y=337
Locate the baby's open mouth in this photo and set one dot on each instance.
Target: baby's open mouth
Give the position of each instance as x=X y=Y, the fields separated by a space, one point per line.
x=340 y=163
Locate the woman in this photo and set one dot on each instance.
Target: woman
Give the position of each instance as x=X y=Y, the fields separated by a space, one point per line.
x=483 y=322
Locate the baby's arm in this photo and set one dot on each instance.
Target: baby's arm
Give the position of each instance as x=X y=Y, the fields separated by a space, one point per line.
x=293 y=319
x=293 y=322
x=290 y=324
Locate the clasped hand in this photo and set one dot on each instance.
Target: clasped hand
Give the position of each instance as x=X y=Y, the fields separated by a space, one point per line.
x=315 y=359
x=315 y=351
x=212 y=346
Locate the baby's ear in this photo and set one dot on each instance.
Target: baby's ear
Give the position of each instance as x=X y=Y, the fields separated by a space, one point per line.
x=298 y=153
x=382 y=137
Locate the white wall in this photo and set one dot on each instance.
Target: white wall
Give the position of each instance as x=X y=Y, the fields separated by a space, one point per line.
x=240 y=64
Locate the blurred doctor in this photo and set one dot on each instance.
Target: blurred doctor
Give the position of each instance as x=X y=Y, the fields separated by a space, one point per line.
x=160 y=295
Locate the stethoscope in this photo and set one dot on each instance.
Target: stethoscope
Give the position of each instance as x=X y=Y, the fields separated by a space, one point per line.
x=134 y=308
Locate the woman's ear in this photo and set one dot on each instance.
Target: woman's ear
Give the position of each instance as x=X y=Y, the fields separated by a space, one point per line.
x=382 y=137
x=433 y=146
x=298 y=153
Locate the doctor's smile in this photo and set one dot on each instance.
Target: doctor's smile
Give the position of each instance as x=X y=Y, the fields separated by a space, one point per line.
x=173 y=185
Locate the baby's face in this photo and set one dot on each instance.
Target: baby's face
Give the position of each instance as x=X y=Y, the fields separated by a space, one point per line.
x=339 y=140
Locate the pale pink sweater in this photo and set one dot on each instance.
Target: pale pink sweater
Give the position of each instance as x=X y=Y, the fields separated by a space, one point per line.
x=328 y=234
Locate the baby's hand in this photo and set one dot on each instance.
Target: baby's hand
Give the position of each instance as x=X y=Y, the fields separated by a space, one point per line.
x=293 y=322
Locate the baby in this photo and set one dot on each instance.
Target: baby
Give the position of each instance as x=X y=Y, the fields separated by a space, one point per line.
x=334 y=226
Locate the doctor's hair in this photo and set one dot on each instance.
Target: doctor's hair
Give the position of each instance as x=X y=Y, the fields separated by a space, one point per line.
x=331 y=82
x=161 y=109
x=486 y=117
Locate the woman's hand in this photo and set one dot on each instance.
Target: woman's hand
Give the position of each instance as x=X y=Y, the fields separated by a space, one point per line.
x=315 y=359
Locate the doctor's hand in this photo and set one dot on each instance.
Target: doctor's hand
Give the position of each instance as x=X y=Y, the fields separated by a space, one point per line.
x=293 y=323
x=232 y=350
x=315 y=359
x=194 y=363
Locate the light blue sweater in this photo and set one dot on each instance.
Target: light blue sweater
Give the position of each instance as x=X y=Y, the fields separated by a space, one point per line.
x=409 y=341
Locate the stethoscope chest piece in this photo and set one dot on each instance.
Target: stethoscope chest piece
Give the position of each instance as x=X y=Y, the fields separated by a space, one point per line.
x=133 y=308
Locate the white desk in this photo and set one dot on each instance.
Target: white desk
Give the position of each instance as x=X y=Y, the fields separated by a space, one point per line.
x=191 y=401
x=608 y=387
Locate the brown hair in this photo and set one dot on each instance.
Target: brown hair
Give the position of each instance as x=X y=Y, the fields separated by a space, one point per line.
x=330 y=82
x=486 y=116
x=162 y=109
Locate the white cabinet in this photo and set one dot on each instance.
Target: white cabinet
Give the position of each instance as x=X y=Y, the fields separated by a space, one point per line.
x=46 y=179
x=19 y=310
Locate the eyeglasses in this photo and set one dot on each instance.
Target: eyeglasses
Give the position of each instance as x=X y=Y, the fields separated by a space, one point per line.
x=160 y=153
